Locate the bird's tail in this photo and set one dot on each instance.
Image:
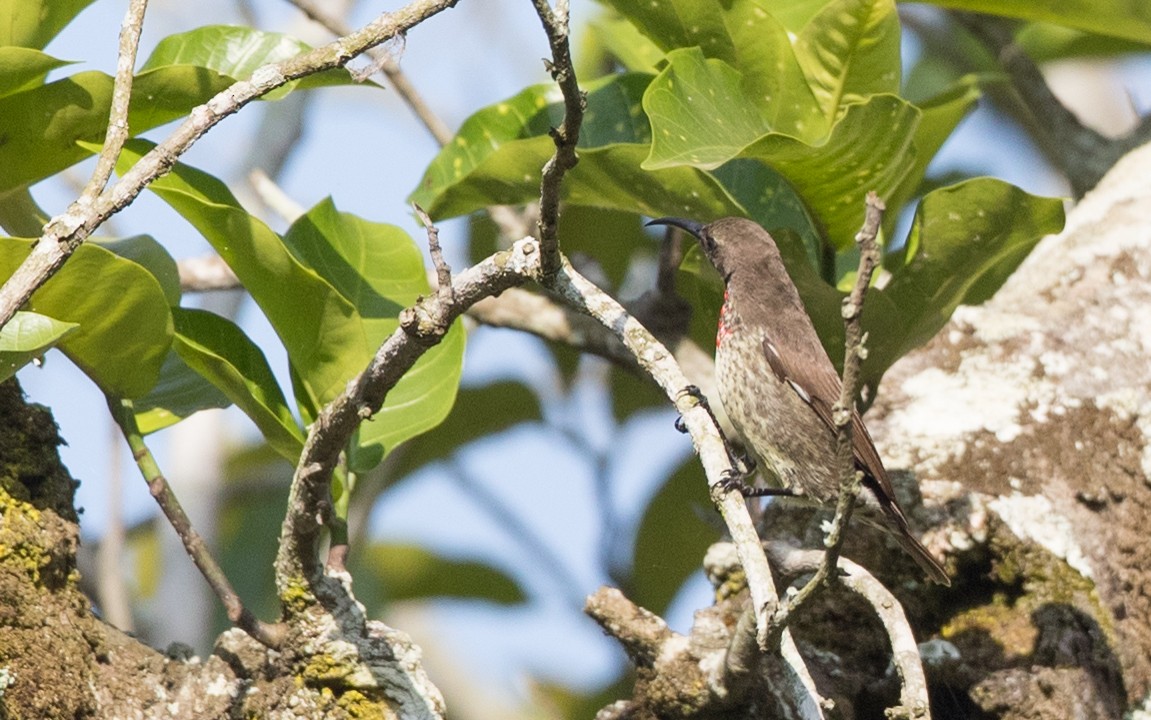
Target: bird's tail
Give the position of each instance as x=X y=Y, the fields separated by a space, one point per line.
x=921 y=555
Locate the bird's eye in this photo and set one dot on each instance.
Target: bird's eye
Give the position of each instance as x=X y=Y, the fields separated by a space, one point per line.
x=707 y=241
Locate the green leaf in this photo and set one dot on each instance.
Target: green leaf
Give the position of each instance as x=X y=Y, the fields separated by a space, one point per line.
x=850 y=51
x=179 y=393
x=151 y=255
x=747 y=38
x=407 y=572
x=75 y=109
x=966 y=240
x=220 y=351
x=620 y=39
x=698 y=113
x=27 y=336
x=1114 y=18
x=672 y=538
x=125 y=326
x=32 y=23
x=20 y=214
x=1044 y=42
x=237 y=51
x=24 y=68
x=379 y=270
x=314 y=322
x=940 y=116
x=869 y=147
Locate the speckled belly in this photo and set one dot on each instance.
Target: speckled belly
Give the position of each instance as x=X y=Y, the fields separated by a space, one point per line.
x=781 y=431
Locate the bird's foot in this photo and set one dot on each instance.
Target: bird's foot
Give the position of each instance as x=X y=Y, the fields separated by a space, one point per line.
x=736 y=481
x=696 y=394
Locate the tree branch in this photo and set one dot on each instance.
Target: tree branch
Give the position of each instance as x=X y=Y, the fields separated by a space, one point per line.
x=64 y=233
x=117 y=133
x=566 y=136
x=792 y=561
x=421 y=327
x=842 y=411
x=1082 y=154
x=125 y=416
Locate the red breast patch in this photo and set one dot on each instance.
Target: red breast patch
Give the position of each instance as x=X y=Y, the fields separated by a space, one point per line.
x=725 y=320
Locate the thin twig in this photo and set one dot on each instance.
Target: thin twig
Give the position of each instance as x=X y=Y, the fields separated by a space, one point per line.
x=566 y=136
x=385 y=62
x=842 y=412
x=443 y=271
x=64 y=233
x=117 y=133
x=271 y=635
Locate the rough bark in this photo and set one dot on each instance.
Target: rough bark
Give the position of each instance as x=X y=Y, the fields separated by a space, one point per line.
x=1026 y=422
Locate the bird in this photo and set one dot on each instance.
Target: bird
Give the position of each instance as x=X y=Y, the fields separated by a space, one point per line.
x=778 y=385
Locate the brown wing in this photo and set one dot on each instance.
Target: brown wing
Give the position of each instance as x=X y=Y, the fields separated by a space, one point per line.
x=810 y=373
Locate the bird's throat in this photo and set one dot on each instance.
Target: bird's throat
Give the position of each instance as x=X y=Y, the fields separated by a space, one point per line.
x=727 y=319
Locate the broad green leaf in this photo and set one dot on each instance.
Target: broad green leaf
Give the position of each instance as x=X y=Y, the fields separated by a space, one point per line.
x=698 y=113
x=850 y=51
x=27 y=336
x=672 y=538
x=622 y=41
x=869 y=148
x=75 y=109
x=220 y=351
x=32 y=23
x=491 y=163
x=125 y=326
x=314 y=322
x=1114 y=18
x=966 y=240
x=20 y=214
x=497 y=156
x=940 y=116
x=405 y=572
x=24 y=68
x=237 y=51
x=749 y=39
x=379 y=270
x=179 y=393
x=152 y=256
x=1044 y=42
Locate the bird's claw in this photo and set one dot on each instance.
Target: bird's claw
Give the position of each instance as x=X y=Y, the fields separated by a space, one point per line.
x=696 y=394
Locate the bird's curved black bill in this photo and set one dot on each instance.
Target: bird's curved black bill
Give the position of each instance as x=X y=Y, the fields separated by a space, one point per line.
x=690 y=226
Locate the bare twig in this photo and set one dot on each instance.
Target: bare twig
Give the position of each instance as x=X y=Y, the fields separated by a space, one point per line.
x=268 y=634
x=67 y=231
x=443 y=271
x=117 y=133
x=566 y=136
x=842 y=411
x=385 y=62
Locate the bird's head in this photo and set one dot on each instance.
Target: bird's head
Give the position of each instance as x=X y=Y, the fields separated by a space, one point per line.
x=730 y=244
